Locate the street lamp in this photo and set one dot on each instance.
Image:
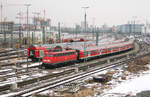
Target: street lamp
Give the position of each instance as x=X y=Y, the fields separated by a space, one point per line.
x=85 y=8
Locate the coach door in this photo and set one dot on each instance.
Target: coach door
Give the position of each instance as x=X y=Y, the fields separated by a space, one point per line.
x=77 y=51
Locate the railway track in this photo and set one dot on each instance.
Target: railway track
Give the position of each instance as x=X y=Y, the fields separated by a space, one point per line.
x=6 y=50
x=73 y=70
x=75 y=77
x=51 y=76
x=3 y=64
x=81 y=67
x=61 y=81
x=9 y=73
x=10 y=57
x=57 y=82
x=11 y=53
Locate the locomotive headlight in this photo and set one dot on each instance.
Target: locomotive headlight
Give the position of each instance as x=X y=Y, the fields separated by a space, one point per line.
x=47 y=60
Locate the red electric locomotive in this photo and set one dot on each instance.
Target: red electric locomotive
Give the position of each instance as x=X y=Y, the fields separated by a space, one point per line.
x=54 y=58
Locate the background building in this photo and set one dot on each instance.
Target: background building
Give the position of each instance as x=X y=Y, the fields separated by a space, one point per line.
x=6 y=27
x=130 y=28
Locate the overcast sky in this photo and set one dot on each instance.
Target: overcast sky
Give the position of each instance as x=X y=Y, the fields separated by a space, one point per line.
x=70 y=12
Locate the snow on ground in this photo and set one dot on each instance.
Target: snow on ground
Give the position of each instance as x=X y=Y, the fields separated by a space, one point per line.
x=32 y=65
x=134 y=84
x=5 y=70
x=8 y=95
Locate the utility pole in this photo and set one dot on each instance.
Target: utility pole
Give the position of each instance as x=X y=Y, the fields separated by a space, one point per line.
x=12 y=37
x=1 y=6
x=93 y=30
x=85 y=22
x=3 y=25
x=32 y=37
x=59 y=29
x=27 y=26
x=97 y=37
x=20 y=17
x=76 y=30
x=27 y=5
x=43 y=34
x=36 y=18
x=134 y=25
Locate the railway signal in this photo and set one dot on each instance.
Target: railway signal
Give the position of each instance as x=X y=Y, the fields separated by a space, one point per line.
x=15 y=66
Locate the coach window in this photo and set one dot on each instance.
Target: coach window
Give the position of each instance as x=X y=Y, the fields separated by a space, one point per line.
x=114 y=48
x=99 y=51
x=60 y=54
x=64 y=54
x=50 y=55
x=102 y=50
x=109 y=49
x=68 y=53
x=85 y=53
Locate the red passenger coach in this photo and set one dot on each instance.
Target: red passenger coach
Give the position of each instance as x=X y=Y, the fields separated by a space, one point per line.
x=52 y=59
x=35 y=52
x=104 y=50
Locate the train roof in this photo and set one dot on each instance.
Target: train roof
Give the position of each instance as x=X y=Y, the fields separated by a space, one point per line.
x=103 y=46
x=82 y=45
